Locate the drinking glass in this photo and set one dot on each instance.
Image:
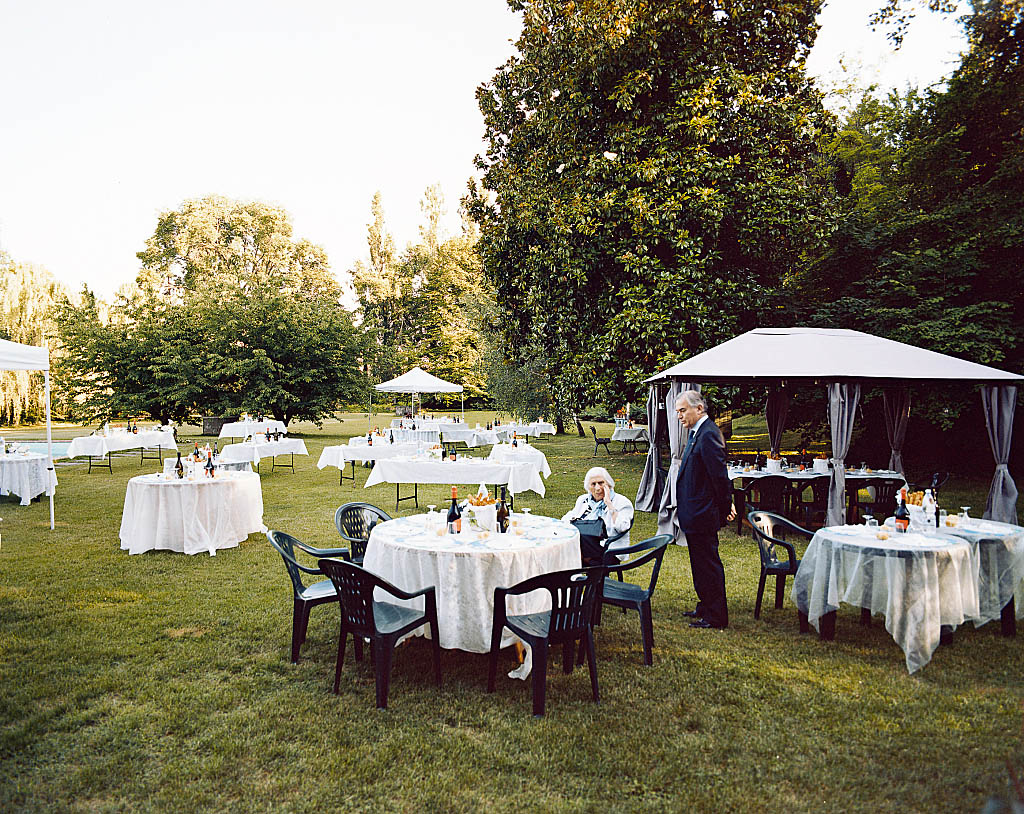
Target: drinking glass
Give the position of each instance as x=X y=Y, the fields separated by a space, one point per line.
x=943 y=514
x=964 y=517
x=871 y=522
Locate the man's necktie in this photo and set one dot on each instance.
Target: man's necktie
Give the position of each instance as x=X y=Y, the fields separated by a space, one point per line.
x=689 y=444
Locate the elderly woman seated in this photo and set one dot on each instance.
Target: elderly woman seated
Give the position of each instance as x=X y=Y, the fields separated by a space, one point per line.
x=600 y=503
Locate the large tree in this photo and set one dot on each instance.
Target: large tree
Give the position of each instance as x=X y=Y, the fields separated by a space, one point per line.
x=652 y=174
x=229 y=313
x=428 y=306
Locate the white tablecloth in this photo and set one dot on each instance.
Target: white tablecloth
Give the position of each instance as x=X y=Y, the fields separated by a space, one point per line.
x=252 y=451
x=471 y=437
x=534 y=430
x=421 y=435
x=520 y=477
x=340 y=454
x=191 y=516
x=793 y=473
x=631 y=434
x=466 y=570
x=25 y=475
x=1000 y=551
x=243 y=429
x=506 y=453
x=100 y=445
x=918 y=582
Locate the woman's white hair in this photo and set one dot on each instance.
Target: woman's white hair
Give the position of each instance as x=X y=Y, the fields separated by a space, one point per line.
x=597 y=472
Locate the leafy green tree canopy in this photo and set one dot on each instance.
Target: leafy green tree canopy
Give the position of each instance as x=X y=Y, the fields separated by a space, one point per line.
x=651 y=176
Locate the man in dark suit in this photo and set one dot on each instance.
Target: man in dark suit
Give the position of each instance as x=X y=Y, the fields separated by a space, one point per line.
x=703 y=506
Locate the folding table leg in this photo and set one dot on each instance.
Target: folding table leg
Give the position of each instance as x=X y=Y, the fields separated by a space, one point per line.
x=1008 y=618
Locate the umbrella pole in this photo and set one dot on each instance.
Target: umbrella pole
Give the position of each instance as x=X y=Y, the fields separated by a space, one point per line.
x=369 y=413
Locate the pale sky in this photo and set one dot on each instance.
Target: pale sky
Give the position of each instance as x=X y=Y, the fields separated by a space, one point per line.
x=114 y=111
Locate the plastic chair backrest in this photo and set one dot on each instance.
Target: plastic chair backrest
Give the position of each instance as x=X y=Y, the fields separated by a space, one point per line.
x=771 y=492
x=355 y=587
x=355 y=521
x=655 y=546
x=285 y=545
x=572 y=599
x=770 y=530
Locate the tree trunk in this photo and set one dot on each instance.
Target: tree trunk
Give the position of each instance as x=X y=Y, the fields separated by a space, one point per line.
x=579 y=426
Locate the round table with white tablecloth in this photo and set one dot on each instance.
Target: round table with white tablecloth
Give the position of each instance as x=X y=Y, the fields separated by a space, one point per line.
x=253 y=451
x=466 y=569
x=919 y=582
x=192 y=515
x=243 y=429
x=25 y=474
x=506 y=453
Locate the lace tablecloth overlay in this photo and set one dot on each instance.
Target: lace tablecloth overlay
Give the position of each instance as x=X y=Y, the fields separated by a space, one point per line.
x=466 y=570
x=1000 y=550
x=919 y=582
x=25 y=475
x=191 y=516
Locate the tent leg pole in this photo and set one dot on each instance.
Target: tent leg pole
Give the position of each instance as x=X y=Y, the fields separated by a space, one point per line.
x=49 y=445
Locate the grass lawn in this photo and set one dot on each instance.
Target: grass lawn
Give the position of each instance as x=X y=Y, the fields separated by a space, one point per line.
x=162 y=682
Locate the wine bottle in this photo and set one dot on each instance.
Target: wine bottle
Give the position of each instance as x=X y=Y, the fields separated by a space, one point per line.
x=209 y=466
x=216 y=453
x=179 y=468
x=195 y=453
x=391 y=436
x=454 y=513
x=902 y=517
x=502 y=513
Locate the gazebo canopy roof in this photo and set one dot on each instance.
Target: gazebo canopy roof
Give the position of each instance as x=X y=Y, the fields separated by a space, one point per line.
x=805 y=355
x=15 y=356
x=418 y=380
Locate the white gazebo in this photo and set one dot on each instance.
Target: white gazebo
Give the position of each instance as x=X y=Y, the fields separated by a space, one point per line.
x=418 y=381
x=842 y=361
x=15 y=356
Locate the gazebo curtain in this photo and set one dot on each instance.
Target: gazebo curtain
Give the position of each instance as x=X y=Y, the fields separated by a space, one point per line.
x=842 y=407
x=999 y=403
x=897 y=412
x=775 y=410
x=667 y=507
x=648 y=494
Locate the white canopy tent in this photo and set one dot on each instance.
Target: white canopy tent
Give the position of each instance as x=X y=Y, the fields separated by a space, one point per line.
x=15 y=356
x=418 y=381
x=842 y=361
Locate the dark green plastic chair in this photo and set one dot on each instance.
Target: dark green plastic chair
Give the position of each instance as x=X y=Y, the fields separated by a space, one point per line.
x=354 y=522
x=627 y=595
x=305 y=597
x=574 y=595
x=383 y=623
x=770 y=531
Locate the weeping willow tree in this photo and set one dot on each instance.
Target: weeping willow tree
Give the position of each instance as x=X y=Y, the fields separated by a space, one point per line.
x=27 y=293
